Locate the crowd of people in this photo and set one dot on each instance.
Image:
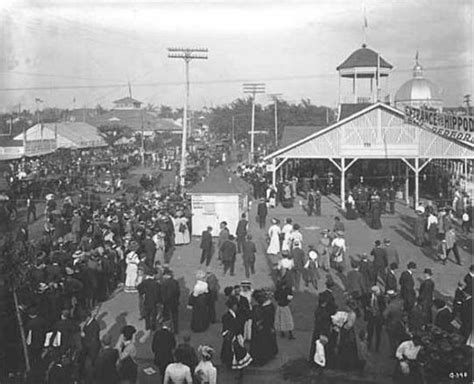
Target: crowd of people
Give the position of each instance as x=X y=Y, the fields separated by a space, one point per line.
x=90 y=248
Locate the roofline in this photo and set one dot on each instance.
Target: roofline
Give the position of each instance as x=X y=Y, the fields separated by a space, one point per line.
x=354 y=116
x=215 y=193
x=334 y=126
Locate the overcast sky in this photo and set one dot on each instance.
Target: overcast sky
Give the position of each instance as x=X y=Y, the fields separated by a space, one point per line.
x=292 y=46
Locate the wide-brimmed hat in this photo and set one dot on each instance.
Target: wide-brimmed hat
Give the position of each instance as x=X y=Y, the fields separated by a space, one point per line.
x=77 y=254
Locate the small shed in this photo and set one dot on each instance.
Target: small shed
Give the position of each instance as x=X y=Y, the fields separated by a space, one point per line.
x=219 y=197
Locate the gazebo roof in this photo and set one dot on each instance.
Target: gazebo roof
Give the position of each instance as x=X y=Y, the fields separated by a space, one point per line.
x=364 y=57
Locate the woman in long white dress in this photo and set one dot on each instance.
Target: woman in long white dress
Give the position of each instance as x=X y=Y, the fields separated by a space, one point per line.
x=181 y=229
x=286 y=232
x=131 y=272
x=274 y=234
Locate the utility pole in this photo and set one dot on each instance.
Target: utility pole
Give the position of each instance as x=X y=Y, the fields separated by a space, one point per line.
x=187 y=54
x=142 y=150
x=274 y=97
x=253 y=89
x=467 y=101
x=233 y=130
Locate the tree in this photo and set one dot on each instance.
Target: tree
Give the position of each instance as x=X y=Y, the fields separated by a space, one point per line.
x=150 y=107
x=99 y=110
x=114 y=132
x=166 y=112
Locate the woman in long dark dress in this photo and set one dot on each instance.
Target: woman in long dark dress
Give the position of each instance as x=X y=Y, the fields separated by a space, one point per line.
x=321 y=326
x=199 y=301
x=347 y=356
x=375 y=211
x=233 y=353
x=263 y=346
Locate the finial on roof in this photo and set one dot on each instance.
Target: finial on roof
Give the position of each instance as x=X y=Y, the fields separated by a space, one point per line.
x=417 y=69
x=364 y=45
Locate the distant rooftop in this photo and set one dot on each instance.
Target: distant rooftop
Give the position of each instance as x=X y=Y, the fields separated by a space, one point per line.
x=127 y=100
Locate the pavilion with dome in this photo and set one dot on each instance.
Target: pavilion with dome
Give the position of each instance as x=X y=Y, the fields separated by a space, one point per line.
x=370 y=128
x=418 y=92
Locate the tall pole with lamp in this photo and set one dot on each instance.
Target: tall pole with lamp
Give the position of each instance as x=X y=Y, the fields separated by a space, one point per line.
x=253 y=89
x=274 y=97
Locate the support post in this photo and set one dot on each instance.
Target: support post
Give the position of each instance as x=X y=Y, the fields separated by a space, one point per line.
x=407 y=185
x=466 y=173
x=252 y=134
x=343 y=182
x=274 y=172
x=417 y=181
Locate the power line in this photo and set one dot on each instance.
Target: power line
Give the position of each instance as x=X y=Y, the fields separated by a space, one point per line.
x=217 y=81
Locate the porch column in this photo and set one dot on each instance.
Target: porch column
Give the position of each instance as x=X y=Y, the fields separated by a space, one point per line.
x=417 y=181
x=407 y=185
x=466 y=173
x=343 y=183
x=274 y=172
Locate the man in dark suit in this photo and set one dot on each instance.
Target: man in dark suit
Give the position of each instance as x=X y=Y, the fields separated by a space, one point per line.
x=391 y=252
x=241 y=232
x=105 y=370
x=150 y=289
x=162 y=347
x=206 y=246
x=248 y=255
x=223 y=236
x=229 y=252
x=391 y=285
x=365 y=268
x=407 y=287
x=426 y=291
x=374 y=315
x=262 y=212
x=444 y=316
x=355 y=282
x=298 y=256
x=90 y=346
x=213 y=285
x=170 y=297
x=148 y=247
x=36 y=328
x=328 y=298
x=380 y=261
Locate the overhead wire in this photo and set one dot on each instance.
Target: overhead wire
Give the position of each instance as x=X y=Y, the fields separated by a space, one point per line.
x=215 y=81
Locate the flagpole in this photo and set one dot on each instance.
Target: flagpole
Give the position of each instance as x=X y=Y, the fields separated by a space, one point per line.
x=366 y=25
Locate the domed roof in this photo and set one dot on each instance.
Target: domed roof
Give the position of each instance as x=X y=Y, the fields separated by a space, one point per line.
x=418 y=88
x=364 y=57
